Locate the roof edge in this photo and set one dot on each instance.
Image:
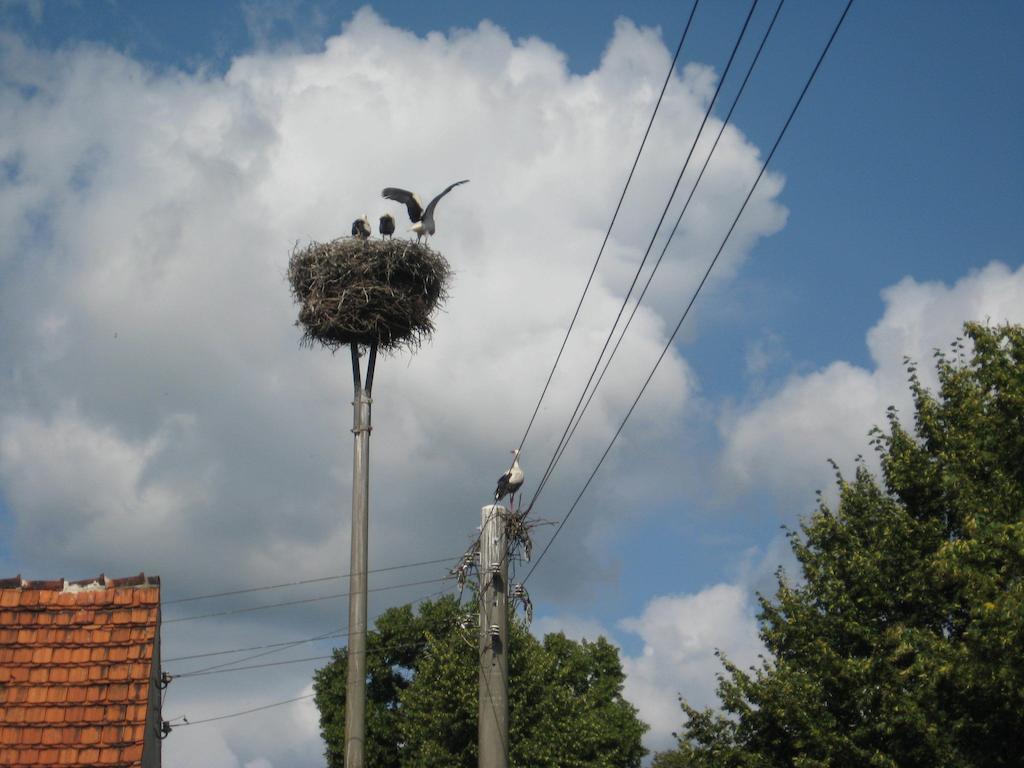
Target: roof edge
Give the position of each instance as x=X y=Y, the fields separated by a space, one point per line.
x=95 y=584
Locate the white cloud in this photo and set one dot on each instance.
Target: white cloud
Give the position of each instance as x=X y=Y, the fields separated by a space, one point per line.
x=782 y=442
x=279 y=737
x=148 y=218
x=93 y=493
x=680 y=634
x=201 y=745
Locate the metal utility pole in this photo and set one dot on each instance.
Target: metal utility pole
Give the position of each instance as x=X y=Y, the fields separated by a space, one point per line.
x=493 y=711
x=355 y=691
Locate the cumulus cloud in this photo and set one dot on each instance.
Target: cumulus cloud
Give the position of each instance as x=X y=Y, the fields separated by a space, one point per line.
x=782 y=441
x=680 y=635
x=84 y=481
x=155 y=410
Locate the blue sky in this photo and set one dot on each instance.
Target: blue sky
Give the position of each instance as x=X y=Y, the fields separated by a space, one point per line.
x=179 y=148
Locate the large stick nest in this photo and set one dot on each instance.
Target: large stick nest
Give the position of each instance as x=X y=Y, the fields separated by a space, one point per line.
x=355 y=291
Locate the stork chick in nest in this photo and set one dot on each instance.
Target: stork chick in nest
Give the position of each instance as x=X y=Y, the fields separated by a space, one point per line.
x=387 y=226
x=361 y=227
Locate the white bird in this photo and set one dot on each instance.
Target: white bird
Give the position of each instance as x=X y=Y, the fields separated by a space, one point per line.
x=387 y=225
x=361 y=227
x=422 y=218
x=511 y=481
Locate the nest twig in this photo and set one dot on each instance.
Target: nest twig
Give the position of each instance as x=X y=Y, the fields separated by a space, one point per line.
x=354 y=291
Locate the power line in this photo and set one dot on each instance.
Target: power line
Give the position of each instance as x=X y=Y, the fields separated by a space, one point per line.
x=286 y=701
x=611 y=332
x=245 y=711
x=696 y=292
x=183 y=675
x=369 y=650
x=286 y=644
x=278 y=647
x=615 y=215
x=296 y=602
x=664 y=250
x=303 y=581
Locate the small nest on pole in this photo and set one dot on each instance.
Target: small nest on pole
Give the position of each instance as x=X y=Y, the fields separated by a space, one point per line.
x=355 y=291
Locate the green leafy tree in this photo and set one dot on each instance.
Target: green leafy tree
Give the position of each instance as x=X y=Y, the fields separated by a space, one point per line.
x=395 y=649
x=903 y=645
x=565 y=698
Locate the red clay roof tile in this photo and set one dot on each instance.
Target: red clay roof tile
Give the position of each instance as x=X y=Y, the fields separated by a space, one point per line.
x=89 y=756
x=36 y=695
x=75 y=670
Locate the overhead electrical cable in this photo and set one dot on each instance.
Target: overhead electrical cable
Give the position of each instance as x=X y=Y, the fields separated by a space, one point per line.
x=370 y=650
x=281 y=647
x=244 y=712
x=183 y=675
x=573 y=420
x=303 y=581
x=696 y=292
x=615 y=215
x=661 y=256
x=278 y=647
x=297 y=602
x=286 y=644
x=647 y=252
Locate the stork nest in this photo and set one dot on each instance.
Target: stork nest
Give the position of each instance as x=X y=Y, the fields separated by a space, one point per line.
x=355 y=291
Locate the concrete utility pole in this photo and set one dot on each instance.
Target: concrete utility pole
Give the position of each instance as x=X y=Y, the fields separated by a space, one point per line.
x=355 y=691
x=493 y=711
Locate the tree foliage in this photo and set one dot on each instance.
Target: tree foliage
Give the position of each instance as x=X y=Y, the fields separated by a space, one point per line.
x=565 y=697
x=903 y=645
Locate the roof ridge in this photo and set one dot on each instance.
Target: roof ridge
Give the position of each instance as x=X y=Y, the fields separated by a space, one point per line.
x=94 y=584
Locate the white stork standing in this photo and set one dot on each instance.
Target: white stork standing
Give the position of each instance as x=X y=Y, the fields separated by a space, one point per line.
x=387 y=226
x=511 y=481
x=422 y=218
x=361 y=227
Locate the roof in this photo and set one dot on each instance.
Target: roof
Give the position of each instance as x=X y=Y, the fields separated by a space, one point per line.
x=75 y=670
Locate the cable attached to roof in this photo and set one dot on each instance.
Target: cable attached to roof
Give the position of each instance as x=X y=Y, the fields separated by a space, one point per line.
x=297 y=602
x=303 y=581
